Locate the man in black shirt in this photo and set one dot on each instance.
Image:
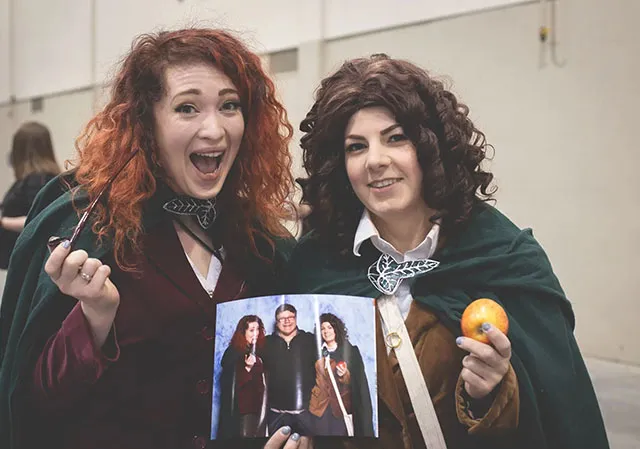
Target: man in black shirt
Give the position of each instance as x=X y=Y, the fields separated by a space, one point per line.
x=290 y=356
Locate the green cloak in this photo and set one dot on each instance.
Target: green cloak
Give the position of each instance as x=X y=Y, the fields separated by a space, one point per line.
x=33 y=307
x=492 y=258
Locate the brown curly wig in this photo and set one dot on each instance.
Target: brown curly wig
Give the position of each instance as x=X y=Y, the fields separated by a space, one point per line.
x=342 y=335
x=450 y=148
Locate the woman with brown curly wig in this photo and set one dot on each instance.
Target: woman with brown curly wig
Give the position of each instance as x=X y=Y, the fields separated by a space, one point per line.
x=107 y=342
x=342 y=361
x=400 y=213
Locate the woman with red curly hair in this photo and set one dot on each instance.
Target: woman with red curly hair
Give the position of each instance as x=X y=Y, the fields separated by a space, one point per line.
x=243 y=398
x=399 y=207
x=107 y=341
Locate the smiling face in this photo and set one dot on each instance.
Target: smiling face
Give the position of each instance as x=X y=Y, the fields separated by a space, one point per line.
x=382 y=165
x=286 y=323
x=198 y=128
x=328 y=333
x=251 y=334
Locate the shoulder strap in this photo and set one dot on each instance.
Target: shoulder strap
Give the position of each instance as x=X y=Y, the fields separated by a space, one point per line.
x=397 y=338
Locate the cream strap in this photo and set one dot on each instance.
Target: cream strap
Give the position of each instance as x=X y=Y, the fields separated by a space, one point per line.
x=397 y=338
x=327 y=365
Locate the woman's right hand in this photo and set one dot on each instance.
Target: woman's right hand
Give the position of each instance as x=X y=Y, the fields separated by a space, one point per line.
x=282 y=440
x=87 y=280
x=249 y=361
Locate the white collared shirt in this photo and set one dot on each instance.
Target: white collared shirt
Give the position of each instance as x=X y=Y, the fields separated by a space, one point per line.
x=209 y=281
x=367 y=230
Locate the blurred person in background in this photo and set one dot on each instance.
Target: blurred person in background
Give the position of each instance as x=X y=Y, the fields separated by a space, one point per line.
x=34 y=165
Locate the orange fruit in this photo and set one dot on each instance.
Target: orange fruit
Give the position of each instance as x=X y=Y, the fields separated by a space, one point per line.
x=482 y=311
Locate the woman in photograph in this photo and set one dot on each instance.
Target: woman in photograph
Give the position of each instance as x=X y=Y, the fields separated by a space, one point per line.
x=341 y=384
x=243 y=394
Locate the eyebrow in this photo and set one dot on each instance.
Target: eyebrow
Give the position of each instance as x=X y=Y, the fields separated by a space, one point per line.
x=188 y=92
x=195 y=91
x=387 y=130
x=227 y=91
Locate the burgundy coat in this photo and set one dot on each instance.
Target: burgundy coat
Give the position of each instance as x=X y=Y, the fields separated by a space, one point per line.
x=150 y=384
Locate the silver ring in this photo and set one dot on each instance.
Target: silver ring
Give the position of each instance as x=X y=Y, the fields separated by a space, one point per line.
x=85 y=277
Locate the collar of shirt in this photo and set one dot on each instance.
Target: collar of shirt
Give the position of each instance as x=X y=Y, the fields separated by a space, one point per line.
x=325 y=345
x=367 y=230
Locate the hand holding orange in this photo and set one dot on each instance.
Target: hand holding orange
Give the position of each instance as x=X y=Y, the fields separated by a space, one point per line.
x=482 y=311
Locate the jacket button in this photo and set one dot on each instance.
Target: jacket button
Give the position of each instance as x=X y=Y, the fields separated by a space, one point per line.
x=202 y=386
x=199 y=442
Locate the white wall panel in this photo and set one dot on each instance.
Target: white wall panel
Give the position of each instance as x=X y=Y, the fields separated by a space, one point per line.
x=5 y=88
x=64 y=115
x=53 y=39
x=265 y=26
x=52 y=46
x=348 y=17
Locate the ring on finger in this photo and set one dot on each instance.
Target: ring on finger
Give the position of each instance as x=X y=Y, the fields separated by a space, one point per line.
x=86 y=277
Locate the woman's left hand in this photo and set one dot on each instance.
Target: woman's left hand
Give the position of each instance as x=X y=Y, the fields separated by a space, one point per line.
x=282 y=440
x=486 y=365
x=341 y=369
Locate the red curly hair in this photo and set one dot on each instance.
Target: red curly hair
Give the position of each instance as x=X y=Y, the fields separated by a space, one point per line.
x=257 y=188
x=239 y=341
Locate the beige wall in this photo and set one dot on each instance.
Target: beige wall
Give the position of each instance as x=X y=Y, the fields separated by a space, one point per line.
x=565 y=156
x=65 y=115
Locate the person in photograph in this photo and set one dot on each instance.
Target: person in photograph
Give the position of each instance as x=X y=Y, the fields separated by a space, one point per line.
x=243 y=396
x=289 y=357
x=341 y=363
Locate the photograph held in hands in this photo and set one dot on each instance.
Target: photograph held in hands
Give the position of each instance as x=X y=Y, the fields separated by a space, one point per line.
x=303 y=361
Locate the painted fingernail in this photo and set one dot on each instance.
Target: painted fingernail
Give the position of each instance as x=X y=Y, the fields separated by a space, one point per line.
x=459 y=341
x=286 y=430
x=66 y=244
x=295 y=437
x=486 y=327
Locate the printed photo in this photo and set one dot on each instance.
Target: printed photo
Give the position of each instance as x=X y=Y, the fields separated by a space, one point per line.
x=306 y=361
